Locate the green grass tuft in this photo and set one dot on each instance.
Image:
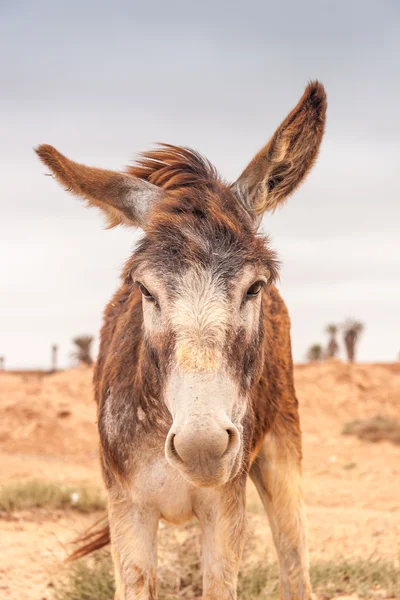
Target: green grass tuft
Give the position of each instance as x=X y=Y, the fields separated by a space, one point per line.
x=40 y=494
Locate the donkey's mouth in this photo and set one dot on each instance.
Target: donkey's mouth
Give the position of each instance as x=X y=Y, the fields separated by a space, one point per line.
x=205 y=466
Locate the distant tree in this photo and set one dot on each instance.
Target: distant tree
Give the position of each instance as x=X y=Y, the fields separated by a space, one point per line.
x=351 y=334
x=315 y=353
x=82 y=353
x=2 y=363
x=54 y=357
x=332 y=347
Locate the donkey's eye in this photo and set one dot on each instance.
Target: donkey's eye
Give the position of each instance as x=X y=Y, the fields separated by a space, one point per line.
x=145 y=293
x=254 y=289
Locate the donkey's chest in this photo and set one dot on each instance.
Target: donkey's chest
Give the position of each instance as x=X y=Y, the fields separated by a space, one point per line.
x=163 y=489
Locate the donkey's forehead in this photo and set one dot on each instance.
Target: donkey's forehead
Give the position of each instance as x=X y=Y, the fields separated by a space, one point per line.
x=204 y=229
x=194 y=259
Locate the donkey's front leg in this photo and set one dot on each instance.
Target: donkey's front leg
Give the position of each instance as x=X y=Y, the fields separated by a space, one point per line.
x=277 y=476
x=223 y=524
x=134 y=549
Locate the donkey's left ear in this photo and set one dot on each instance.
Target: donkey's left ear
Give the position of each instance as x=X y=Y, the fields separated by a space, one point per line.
x=277 y=170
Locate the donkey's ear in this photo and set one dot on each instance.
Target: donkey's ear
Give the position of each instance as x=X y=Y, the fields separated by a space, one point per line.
x=123 y=198
x=276 y=171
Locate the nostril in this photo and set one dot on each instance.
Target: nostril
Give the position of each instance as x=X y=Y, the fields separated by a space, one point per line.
x=173 y=449
x=172 y=445
x=232 y=437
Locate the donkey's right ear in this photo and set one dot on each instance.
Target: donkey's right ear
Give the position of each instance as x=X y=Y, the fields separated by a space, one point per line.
x=123 y=198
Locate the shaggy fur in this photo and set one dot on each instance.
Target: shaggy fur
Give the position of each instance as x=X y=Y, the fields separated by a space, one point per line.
x=199 y=239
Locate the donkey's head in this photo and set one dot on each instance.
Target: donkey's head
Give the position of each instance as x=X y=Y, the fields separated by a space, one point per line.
x=202 y=270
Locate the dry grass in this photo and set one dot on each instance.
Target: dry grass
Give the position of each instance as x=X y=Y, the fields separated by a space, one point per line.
x=88 y=580
x=368 y=578
x=93 y=578
x=39 y=494
x=375 y=429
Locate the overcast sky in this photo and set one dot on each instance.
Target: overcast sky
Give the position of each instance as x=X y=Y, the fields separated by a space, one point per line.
x=102 y=81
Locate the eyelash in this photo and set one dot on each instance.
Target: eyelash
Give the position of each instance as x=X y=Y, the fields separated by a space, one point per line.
x=257 y=286
x=146 y=294
x=255 y=289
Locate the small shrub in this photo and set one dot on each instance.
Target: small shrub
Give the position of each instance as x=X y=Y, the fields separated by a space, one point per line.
x=92 y=579
x=375 y=429
x=261 y=583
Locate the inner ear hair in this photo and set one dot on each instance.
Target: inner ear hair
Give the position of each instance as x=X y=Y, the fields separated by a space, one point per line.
x=280 y=167
x=124 y=199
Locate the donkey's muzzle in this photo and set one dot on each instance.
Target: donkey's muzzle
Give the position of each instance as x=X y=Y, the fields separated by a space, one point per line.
x=205 y=451
x=204 y=442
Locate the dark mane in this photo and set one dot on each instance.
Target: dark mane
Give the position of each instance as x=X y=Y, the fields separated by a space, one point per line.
x=171 y=167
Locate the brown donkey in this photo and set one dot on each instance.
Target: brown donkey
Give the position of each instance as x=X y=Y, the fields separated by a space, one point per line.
x=194 y=379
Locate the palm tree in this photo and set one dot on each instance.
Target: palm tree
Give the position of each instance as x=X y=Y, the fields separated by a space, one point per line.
x=82 y=353
x=351 y=333
x=315 y=353
x=332 y=347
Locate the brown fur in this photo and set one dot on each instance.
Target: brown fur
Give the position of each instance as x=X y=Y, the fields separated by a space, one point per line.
x=196 y=220
x=108 y=190
x=277 y=170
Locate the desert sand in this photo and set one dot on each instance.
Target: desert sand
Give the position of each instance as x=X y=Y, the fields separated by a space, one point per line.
x=352 y=488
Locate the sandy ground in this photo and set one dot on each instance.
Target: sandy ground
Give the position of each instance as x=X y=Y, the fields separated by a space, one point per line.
x=352 y=488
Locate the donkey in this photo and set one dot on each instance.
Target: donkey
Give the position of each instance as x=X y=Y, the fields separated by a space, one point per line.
x=194 y=378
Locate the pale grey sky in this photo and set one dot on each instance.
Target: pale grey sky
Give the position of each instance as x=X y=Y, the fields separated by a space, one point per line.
x=102 y=81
